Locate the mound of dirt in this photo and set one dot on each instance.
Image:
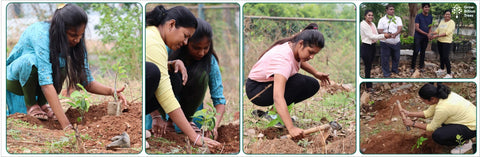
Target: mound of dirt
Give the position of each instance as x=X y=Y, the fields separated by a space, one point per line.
x=228 y=136
x=98 y=126
x=270 y=143
x=389 y=142
x=275 y=146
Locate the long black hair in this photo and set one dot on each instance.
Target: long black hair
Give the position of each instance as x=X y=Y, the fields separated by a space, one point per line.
x=182 y=16
x=204 y=30
x=68 y=17
x=310 y=35
x=429 y=90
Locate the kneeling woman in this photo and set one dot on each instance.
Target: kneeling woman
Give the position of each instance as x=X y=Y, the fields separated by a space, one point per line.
x=452 y=115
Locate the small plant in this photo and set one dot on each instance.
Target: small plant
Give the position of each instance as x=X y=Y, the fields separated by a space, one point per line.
x=277 y=119
x=459 y=140
x=371 y=102
x=119 y=74
x=207 y=118
x=419 y=142
x=79 y=101
x=304 y=142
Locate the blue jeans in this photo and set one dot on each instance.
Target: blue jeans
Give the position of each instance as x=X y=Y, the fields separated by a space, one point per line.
x=388 y=51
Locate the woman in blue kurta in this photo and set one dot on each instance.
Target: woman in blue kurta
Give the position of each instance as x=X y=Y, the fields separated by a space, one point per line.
x=46 y=54
x=203 y=70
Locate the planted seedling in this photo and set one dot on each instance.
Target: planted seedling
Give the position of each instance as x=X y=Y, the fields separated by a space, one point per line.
x=114 y=107
x=273 y=113
x=79 y=100
x=419 y=143
x=207 y=119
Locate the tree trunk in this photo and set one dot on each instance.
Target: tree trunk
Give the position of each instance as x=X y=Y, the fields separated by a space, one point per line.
x=412 y=9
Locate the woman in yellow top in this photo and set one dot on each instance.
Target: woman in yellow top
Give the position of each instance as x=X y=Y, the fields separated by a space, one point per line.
x=170 y=28
x=452 y=115
x=444 y=33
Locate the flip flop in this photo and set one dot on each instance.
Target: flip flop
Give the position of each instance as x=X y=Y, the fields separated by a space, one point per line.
x=48 y=110
x=36 y=111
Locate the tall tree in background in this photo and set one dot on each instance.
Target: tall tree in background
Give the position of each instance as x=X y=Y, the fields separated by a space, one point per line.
x=412 y=12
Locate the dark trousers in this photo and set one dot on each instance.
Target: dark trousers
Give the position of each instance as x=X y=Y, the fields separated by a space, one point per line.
x=152 y=79
x=191 y=95
x=444 y=51
x=420 y=46
x=388 y=51
x=298 y=88
x=31 y=90
x=446 y=135
x=367 y=52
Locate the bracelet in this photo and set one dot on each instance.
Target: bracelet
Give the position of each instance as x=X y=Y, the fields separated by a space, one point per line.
x=194 y=143
x=413 y=125
x=156 y=116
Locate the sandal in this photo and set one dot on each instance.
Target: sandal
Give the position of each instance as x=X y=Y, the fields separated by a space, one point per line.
x=48 y=110
x=36 y=111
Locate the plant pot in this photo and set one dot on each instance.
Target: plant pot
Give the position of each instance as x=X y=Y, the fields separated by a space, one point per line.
x=113 y=108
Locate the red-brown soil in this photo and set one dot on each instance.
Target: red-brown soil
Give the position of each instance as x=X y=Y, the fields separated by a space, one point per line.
x=171 y=142
x=380 y=134
x=272 y=143
x=99 y=126
x=389 y=142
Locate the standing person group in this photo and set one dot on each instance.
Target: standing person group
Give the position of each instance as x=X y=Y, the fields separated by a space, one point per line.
x=390 y=45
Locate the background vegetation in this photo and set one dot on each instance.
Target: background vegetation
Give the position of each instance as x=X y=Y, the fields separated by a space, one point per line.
x=337 y=57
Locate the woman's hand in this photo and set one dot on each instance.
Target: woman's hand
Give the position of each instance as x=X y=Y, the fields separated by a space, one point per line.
x=159 y=126
x=407 y=122
x=407 y=113
x=209 y=142
x=120 y=95
x=213 y=133
x=323 y=78
x=178 y=65
x=296 y=133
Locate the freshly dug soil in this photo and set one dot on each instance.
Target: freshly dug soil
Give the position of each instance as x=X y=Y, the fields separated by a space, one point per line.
x=96 y=124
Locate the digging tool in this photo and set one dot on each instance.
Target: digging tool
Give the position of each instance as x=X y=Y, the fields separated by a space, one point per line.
x=333 y=124
x=401 y=113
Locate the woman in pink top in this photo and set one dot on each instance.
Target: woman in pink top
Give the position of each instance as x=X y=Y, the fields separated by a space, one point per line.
x=275 y=78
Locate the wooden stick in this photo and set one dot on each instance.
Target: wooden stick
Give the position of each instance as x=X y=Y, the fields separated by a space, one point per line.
x=309 y=131
x=401 y=113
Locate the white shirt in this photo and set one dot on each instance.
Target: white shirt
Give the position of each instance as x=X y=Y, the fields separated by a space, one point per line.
x=390 y=26
x=368 y=35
